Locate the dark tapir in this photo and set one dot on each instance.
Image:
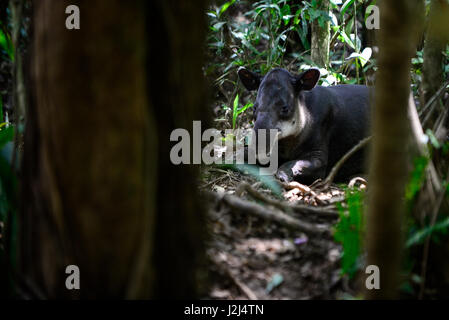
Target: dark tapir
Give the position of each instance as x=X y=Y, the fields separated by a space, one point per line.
x=316 y=125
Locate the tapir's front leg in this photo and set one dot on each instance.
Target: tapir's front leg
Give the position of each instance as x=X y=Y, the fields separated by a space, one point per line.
x=304 y=171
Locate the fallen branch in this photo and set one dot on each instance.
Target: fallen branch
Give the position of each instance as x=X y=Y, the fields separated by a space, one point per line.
x=250 y=208
x=305 y=209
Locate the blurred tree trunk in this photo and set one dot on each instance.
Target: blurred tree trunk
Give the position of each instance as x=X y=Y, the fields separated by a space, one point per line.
x=98 y=189
x=321 y=37
x=177 y=29
x=435 y=43
x=389 y=161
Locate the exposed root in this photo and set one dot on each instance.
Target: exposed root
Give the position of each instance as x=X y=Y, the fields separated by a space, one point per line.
x=273 y=214
x=304 y=209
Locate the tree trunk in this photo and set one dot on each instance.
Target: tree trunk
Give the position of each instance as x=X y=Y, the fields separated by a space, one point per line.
x=177 y=29
x=435 y=43
x=321 y=38
x=98 y=189
x=389 y=160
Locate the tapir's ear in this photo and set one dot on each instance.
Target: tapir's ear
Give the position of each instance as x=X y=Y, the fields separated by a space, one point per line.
x=250 y=80
x=308 y=79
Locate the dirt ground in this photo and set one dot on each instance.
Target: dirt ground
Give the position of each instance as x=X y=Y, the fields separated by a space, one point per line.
x=262 y=257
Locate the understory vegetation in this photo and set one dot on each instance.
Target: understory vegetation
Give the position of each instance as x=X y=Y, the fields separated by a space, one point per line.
x=270 y=239
x=267 y=34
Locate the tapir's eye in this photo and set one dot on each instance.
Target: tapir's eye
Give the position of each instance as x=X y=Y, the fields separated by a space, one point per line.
x=255 y=106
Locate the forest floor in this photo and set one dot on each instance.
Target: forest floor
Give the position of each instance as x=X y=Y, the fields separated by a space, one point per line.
x=257 y=252
x=272 y=245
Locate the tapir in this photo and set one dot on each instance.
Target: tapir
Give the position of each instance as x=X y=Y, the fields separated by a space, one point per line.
x=316 y=125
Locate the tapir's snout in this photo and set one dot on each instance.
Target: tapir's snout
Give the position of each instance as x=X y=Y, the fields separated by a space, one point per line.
x=265 y=133
x=263 y=121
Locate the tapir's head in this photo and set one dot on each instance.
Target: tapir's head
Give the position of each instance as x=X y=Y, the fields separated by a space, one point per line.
x=278 y=103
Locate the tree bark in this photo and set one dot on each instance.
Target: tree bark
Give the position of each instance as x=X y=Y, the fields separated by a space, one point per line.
x=389 y=160
x=321 y=38
x=98 y=189
x=435 y=43
x=177 y=29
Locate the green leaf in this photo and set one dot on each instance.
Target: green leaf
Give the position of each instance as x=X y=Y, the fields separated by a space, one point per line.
x=1 y=109
x=225 y=7
x=347 y=40
x=286 y=14
x=6 y=135
x=420 y=235
x=6 y=44
x=362 y=57
x=417 y=177
x=235 y=111
x=246 y=106
x=218 y=26
x=349 y=230
x=433 y=139
x=345 y=6
x=212 y=14
x=365 y=56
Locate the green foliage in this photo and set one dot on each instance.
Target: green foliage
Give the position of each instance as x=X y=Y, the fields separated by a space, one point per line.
x=433 y=140
x=259 y=37
x=6 y=43
x=6 y=131
x=418 y=237
x=350 y=229
x=259 y=40
x=225 y=7
x=8 y=205
x=417 y=177
x=1 y=111
x=236 y=111
x=346 y=6
x=8 y=187
x=257 y=33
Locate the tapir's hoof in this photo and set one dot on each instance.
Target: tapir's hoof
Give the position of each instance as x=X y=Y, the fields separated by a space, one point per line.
x=283 y=176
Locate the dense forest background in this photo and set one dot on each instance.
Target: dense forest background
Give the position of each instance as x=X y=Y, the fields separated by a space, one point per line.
x=86 y=179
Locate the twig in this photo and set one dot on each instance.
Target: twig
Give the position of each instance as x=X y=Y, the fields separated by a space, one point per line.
x=330 y=178
x=242 y=287
x=429 y=103
x=427 y=243
x=304 y=189
x=213 y=181
x=244 y=186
